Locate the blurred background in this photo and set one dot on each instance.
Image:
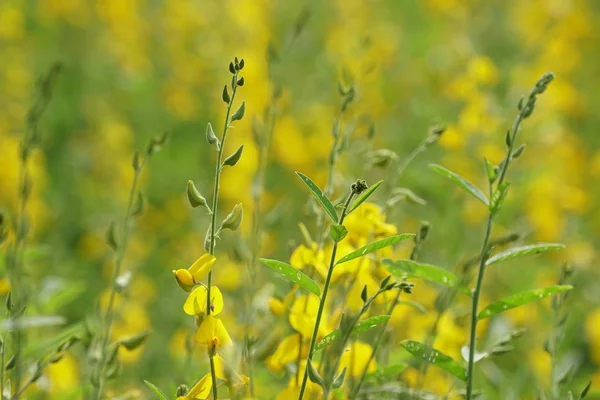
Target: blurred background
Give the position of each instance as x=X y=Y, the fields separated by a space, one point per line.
x=133 y=69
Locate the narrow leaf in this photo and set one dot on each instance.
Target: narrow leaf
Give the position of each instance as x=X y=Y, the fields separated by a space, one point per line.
x=360 y=327
x=156 y=391
x=519 y=299
x=434 y=357
x=585 y=391
x=298 y=277
x=374 y=246
x=523 y=251
x=319 y=196
x=462 y=182
x=431 y=273
x=414 y=304
x=363 y=197
x=386 y=373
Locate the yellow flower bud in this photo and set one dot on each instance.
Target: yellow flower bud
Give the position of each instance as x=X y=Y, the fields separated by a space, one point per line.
x=184 y=279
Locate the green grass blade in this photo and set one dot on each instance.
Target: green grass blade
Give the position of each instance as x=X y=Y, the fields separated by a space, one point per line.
x=156 y=391
x=523 y=251
x=319 y=196
x=434 y=357
x=462 y=182
x=516 y=300
x=364 y=196
x=374 y=246
x=431 y=273
x=298 y=277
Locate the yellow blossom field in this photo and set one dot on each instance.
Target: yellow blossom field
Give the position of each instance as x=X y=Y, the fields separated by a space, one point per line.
x=252 y=199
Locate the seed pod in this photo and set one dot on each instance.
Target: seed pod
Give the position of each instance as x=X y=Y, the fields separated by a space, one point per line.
x=195 y=198
x=225 y=95
x=239 y=114
x=234 y=158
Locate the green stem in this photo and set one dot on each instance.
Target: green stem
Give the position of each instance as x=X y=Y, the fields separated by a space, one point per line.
x=313 y=340
x=119 y=255
x=483 y=259
x=214 y=217
x=255 y=241
x=213 y=374
x=414 y=254
x=356 y=388
x=346 y=337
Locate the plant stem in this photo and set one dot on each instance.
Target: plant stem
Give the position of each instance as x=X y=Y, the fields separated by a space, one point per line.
x=483 y=259
x=413 y=256
x=390 y=309
x=323 y=299
x=119 y=255
x=214 y=218
x=255 y=241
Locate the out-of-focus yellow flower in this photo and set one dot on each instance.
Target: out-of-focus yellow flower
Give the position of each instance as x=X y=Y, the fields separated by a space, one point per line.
x=592 y=331
x=4 y=286
x=366 y=221
x=313 y=391
x=355 y=359
x=212 y=333
x=482 y=70
x=195 y=304
x=304 y=257
x=303 y=315
x=187 y=278
x=286 y=352
x=63 y=376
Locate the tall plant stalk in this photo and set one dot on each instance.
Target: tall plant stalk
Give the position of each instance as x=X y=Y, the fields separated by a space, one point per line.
x=525 y=110
x=235 y=83
x=18 y=298
x=315 y=333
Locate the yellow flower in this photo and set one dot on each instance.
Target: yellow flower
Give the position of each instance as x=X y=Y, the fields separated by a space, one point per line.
x=355 y=359
x=227 y=374
x=286 y=352
x=188 y=278
x=303 y=315
x=200 y=391
x=195 y=304
x=304 y=257
x=212 y=334
x=368 y=220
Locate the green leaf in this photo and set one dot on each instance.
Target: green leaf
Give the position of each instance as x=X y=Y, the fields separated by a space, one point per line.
x=434 y=357
x=363 y=197
x=462 y=182
x=338 y=232
x=234 y=158
x=386 y=373
x=298 y=277
x=414 y=304
x=523 y=251
x=156 y=391
x=516 y=300
x=360 y=327
x=585 y=391
x=319 y=196
x=431 y=273
x=374 y=246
